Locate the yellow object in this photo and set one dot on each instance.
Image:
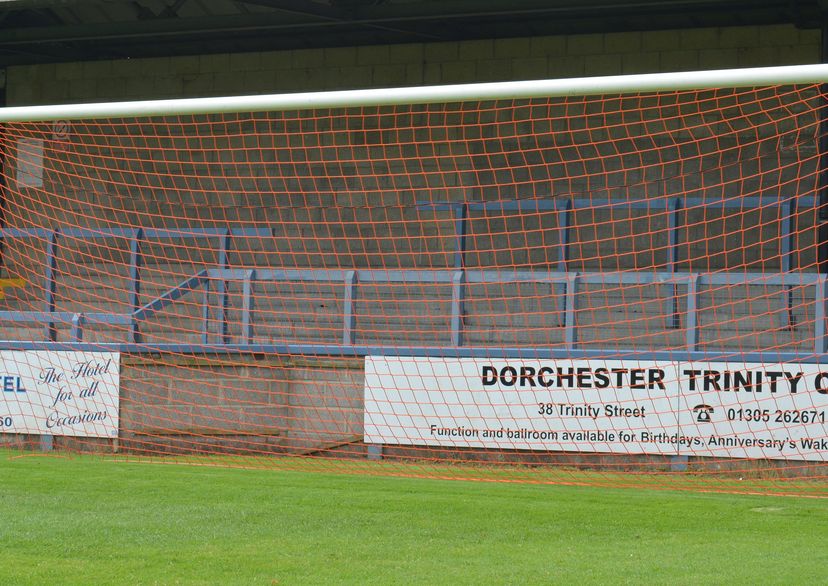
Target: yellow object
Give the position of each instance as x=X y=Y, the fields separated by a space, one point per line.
x=4 y=283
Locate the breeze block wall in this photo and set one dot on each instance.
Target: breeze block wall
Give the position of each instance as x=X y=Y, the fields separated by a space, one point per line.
x=323 y=220
x=413 y=64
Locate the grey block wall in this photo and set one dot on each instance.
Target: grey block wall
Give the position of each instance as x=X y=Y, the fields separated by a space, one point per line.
x=337 y=192
x=413 y=64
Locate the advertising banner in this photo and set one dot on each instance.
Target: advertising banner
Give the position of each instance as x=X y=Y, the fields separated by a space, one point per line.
x=716 y=409
x=59 y=393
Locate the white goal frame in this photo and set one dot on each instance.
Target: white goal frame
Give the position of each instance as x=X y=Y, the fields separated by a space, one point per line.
x=544 y=88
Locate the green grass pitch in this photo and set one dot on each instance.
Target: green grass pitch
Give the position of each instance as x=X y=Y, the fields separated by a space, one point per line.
x=84 y=520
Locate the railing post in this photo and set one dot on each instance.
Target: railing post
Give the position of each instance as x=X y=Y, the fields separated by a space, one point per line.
x=136 y=260
x=205 y=314
x=461 y=220
x=822 y=165
x=221 y=287
x=570 y=322
x=820 y=311
x=674 y=210
x=50 y=285
x=458 y=282
x=247 y=307
x=50 y=288
x=564 y=208
x=564 y=220
x=692 y=312
x=458 y=307
x=78 y=321
x=787 y=210
x=349 y=308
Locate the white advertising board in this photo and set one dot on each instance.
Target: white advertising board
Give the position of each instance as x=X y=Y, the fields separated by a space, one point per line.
x=718 y=409
x=59 y=393
x=30 y=162
x=777 y=411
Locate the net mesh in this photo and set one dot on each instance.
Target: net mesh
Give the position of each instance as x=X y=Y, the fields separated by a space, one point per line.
x=619 y=290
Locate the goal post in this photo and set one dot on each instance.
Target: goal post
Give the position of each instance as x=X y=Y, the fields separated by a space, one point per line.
x=504 y=281
x=436 y=94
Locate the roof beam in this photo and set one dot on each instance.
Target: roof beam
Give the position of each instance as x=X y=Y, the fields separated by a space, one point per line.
x=290 y=24
x=148 y=28
x=314 y=9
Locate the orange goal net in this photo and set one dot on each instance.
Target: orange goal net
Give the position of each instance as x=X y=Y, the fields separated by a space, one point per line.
x=617 y=287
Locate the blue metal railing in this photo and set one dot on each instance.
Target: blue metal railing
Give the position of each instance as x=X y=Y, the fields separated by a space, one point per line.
x=674 y=206
x=458 y=278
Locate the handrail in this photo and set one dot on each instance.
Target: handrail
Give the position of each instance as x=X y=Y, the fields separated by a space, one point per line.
x=675 y=206
x=458 y=280
x=361 y=350
x=644 y=203
x=63 y=317
x=149 y=233
x=445 y=276
x=458 y=277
